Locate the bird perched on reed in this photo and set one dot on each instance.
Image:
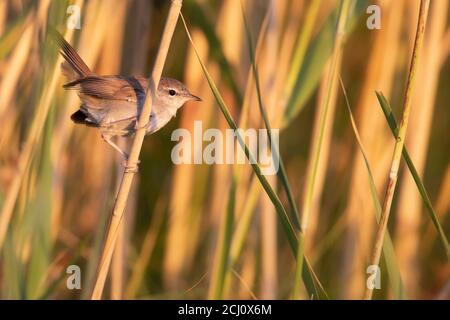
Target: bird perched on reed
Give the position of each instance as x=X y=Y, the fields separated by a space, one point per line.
x=113 y=103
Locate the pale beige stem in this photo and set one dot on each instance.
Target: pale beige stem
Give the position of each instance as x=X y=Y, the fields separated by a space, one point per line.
x=409 y=210
x=97 y=20
x=3 y=15
x=393 y=175
x=322 y=166
x=11 y=75
x=184 y=215
x=29 y=146
x=269 y=252
x=380 y=74
x=127 y=179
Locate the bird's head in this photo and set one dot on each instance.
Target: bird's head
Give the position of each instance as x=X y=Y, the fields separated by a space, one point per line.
x=174 y=94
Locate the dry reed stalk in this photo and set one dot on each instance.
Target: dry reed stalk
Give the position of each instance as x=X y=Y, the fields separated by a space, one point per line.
x=444 y=293
x=224 y=184
x=269 y=250
x=148 y=246
x=95 y=30
x=125 y=186
x=248 y=188
x=9 y=140
x=380 y=76
x=225 y=178
x=32 y=140
x=232 y=35
x=300 y=50
x=185 y=227
x=408 y=218
x=15 y=66
x=85 y=208
x=393 y=175
x=442 y=209
x=331 y=84
x=181 y=242
x=247 y=120
x=140 y=34
x=178 y=233
x=445 y=46
x=323 y=161
x=3 y=15
x=286 y=51
x=117 y=265
x=268 y=68
x=318 y=146
x=42 y=13
x=230 y=30
x=111 y=61
x=95 y=167
x=443 y=198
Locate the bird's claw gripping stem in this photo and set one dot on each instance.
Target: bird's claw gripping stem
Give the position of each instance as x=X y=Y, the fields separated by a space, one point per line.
x=131 y=168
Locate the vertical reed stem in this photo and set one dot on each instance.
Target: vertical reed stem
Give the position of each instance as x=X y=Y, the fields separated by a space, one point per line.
x=29 y=147
x=312 y=171
x=393 y=175
x=127 y=179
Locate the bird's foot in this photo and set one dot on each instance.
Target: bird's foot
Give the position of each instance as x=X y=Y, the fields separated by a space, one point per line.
x=145 y=126
x=131 y=168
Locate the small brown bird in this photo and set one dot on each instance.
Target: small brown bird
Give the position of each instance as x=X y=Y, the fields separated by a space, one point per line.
x=113 y=103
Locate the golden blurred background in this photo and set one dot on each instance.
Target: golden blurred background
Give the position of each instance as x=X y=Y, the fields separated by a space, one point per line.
x=58 y=181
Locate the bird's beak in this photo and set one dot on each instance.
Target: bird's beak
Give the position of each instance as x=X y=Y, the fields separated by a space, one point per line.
x=194 y=98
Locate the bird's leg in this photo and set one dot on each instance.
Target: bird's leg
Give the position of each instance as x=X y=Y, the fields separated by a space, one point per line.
x=108 y=140
x=145 y=126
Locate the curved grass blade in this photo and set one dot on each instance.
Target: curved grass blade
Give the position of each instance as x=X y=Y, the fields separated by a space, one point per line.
x=336 y=60
x=201 y=21
x=302 y=45
x=317 y=55
x=222 y=259
x=275 y=153
x=312 y=283
x=9 y=39
x=388 y=247
x=387 y=111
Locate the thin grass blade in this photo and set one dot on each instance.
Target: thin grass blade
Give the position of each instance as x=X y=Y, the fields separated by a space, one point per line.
x=387 y=111
x=388 y=247
x=311 y=281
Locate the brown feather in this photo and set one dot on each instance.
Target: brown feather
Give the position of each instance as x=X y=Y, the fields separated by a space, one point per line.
x=74 y=61
x=111 y=87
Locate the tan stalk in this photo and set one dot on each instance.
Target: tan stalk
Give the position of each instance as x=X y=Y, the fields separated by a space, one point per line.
x=111 y=61
x=96 y=20
x=3 y=15
x=148 y=246
x=409 y=212
x=443 y=198
x=318 y=146
x=29 y=146
x=379 y=75
x=182 y=234
x=313 y=221
x=14 y=68
x=127 y=179
x=268 y=71
x=393 y=175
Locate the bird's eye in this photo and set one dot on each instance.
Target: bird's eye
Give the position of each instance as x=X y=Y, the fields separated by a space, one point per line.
x=172 y=92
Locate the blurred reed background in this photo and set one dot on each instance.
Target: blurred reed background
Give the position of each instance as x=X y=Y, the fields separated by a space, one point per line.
x=211 y=231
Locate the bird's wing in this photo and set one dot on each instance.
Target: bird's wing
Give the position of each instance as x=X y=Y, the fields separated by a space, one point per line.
x=74 y=67
x=131 y=89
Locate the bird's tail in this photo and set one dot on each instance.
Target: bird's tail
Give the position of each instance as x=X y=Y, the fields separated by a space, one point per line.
x=74 y=67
